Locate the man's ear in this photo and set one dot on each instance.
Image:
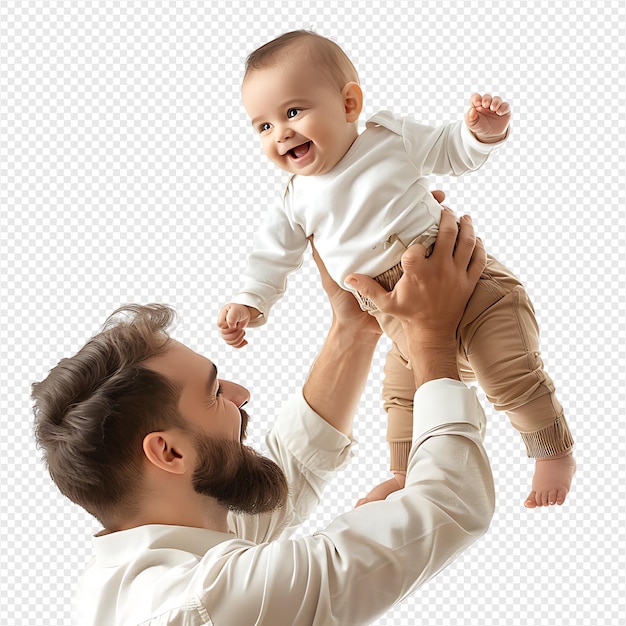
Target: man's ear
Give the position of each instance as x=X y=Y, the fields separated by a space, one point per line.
x=353 y=101
x=167 y=451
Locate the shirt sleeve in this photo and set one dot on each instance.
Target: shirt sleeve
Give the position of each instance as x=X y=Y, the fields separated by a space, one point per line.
x=310 y=451
x=371 y=557
x=450 y=149
x=278 y=250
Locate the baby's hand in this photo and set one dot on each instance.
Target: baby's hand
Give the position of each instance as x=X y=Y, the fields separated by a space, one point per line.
x=488 y=117
x=231 y=321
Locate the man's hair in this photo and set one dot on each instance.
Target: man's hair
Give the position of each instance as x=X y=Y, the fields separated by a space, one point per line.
x=94 y=409
x=313 y=48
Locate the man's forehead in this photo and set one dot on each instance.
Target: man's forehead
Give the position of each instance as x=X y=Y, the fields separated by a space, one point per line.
x=180 y=363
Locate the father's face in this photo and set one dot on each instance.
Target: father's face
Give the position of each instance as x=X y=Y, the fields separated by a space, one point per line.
x=232 y=473
x=208 y=404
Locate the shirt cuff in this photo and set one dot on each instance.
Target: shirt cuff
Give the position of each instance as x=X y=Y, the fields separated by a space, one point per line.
x=470 y=140
x=249 y=299
x=442 y=402
x=316 y=444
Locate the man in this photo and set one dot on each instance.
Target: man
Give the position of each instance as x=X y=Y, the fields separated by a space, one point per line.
x=141 y=432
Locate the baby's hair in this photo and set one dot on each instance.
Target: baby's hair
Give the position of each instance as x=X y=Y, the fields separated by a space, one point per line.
x=312 y=48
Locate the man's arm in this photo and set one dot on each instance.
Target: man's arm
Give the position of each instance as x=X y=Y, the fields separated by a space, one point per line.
x=371 y=557
x=339 y=373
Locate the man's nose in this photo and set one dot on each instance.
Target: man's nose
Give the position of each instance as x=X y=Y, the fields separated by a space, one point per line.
x=237 y=394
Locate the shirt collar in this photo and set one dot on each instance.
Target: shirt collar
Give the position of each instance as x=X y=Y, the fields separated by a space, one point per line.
x=119 y=547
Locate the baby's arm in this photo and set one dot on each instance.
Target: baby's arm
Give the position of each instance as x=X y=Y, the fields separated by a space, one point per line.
x=460 y=147
x=232 y=321
x=279 y=247
x=488 y=117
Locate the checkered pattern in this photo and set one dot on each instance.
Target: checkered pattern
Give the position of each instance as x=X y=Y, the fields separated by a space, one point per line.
x=128 y=172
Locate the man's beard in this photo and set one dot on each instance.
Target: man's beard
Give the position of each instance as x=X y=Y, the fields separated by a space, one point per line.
x=237 y=476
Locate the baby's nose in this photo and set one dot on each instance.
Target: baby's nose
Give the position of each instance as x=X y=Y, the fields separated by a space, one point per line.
x=285 y=134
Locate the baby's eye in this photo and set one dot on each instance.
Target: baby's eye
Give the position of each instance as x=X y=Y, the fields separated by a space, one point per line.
x=292 y=113
x=263 y=127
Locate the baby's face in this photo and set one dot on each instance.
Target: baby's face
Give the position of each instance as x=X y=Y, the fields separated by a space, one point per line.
x=300 y=116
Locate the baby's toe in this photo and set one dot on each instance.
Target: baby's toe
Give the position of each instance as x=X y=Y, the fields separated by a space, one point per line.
x=561 y=495
x=531 y=501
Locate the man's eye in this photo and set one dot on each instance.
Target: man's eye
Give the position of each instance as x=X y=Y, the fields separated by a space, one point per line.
x=292 y=113
x=264 y=127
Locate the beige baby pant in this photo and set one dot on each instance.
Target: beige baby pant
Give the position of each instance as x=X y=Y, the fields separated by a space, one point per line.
x=498 y=346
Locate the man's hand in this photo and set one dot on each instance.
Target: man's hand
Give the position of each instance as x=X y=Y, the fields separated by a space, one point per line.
x=232 y=321
x=488 y=117
x=431 y=296
x=343 y=304
x=345 y=308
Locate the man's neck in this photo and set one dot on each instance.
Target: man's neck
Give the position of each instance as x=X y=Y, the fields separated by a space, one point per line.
x=212 y=516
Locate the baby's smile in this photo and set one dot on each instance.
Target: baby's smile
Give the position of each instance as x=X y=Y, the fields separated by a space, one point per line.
x=299 y=151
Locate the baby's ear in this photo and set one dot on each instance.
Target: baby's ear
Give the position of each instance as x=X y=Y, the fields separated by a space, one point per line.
x=353 y=101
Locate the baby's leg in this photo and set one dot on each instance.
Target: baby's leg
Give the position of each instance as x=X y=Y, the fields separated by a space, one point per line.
x=398 y=392
x=501 y=345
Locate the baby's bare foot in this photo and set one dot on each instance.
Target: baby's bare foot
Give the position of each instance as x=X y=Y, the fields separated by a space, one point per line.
x=380 y=492
x=552 y=480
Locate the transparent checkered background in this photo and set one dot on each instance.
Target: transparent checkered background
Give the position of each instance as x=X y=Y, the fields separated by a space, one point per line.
x=129 y=173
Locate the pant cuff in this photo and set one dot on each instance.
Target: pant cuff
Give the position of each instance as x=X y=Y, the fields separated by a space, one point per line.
x=399 y=452
x=549 y=441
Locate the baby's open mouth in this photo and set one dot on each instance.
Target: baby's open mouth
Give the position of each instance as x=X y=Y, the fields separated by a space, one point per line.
x=299 y=151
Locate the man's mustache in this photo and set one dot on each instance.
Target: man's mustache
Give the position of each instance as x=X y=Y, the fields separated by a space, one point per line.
x=245 y=418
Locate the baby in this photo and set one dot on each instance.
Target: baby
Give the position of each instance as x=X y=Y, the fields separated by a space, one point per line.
x=365 y=198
